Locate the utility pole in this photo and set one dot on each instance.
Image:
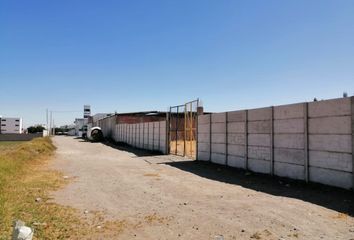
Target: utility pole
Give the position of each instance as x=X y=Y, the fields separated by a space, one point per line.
x=53 y=128
x=50 y=124
x=47 y=120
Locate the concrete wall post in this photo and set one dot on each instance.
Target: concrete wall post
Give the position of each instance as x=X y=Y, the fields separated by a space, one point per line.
x=199 y=112
x=136 y=135
x=226 y=140
x=143 y=134
x=167 y=133
x=306 y=142
x=246 y=139
x=210 y=141
x=148 y=137
x=352 y=113
x=159 y=136
x=272 y=141
x=153 y=135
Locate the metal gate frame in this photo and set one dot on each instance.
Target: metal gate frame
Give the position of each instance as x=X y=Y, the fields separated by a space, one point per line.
x=190 y=128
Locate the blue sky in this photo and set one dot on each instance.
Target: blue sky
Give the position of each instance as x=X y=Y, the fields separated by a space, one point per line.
x=147 y=55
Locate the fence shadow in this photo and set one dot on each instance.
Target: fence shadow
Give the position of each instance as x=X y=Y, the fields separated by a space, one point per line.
x=329 y=197
x=127 y=148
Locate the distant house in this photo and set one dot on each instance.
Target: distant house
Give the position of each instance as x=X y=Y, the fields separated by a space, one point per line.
x=11 y=125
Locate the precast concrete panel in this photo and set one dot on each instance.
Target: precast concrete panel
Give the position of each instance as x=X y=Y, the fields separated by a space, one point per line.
x=204 y=156
x=334 y=107
x=331 y=160
x=259 y=114
x=236 y=161
x=289 y=126
x=332 y=143
x=204 y=119
x=218 y=117
x=260 y=166
x=259 y=127
x=259 y=140
x=204 y=128
x=330 y=125
x=331 y=177
x=262 y=153
x=218 y=148
x=218 y=158
x=204 y=147
x=295 y=141
x=288 y=155
x=289 y=111
x=236 y=127
x=289 y=170
x=236 y=138
x=218 y=128
x=219 y=138
x=236 y=150
x=236 y=116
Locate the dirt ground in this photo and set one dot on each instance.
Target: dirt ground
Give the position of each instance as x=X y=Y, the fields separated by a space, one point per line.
x=168 y=197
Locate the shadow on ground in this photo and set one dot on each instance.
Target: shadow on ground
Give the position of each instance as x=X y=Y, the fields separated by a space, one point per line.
x=123 y=147
x=329 y=197
x=127 y=148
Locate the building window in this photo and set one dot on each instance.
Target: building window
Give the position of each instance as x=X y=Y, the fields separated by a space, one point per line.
x=17 y=120
x=3 y=120
x=3 y=125
x=16 y=125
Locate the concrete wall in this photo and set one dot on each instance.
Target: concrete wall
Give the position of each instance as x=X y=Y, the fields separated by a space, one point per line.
x=305 y=141
x=19 y=137
x=108 y=126
x=146 y=135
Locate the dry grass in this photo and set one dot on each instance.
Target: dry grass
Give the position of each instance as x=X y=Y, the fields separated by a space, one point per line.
x=22 y=180
x=154 y=218
x=190 y=148
x=152 y=175
x=265 y=234
x=8 y=145
x=25 y=177
x=343 y=216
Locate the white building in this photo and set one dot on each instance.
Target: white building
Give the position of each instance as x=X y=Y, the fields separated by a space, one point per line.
x=79 y=124
x=11 y=125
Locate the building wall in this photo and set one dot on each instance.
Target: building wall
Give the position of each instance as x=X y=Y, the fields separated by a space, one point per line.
x=99 y=116
x=140 y=119
x=305 y=141
x=11 y=125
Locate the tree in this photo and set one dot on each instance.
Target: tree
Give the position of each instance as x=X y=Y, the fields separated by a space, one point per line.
x=35 y=129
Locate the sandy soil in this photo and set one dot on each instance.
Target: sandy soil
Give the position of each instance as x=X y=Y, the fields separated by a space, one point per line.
x=168 y=197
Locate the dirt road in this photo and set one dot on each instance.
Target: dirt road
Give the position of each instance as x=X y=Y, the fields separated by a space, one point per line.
x=167 y=197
